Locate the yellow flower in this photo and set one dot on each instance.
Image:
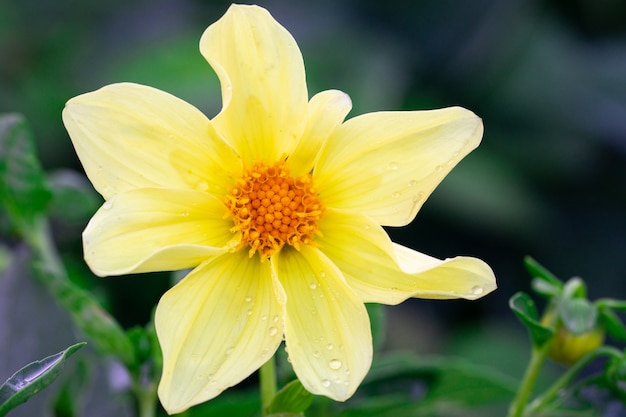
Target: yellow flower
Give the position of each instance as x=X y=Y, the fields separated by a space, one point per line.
x=276 y=203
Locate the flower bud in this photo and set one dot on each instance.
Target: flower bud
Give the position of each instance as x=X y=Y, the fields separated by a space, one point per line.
x=567 y=347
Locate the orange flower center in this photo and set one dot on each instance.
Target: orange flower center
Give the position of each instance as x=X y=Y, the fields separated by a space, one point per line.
x=270 y=208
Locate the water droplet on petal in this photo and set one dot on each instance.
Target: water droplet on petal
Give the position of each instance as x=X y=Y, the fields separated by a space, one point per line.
x=438 y=168
x=185 y=214
x=325 y=383
x=273 y=331
x=395 y=195
x=393 y=166
x=322 y=274
x=229 y=351
x=477 y=290
x=313 y=285
x=249 y=312
x=275 y=319
x=412 y=183
x=264 y=317
x=334 y=364
x=248 y=299
x=330 y=346
x=203 y=186
x=316 y=353
x=107 y=205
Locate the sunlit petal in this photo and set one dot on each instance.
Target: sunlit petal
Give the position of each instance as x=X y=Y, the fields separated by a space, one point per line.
x=131 y=136
x=153 y=229
x=386 y=164
x=326 y=111
x=216 y=327
x=382 y=272
x=264 y=91
x=327 y=328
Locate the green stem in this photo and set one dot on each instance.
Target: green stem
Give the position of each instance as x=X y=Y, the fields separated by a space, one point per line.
x=267 y=377
x=146 y=401
x=537 y=358
x=549 y=395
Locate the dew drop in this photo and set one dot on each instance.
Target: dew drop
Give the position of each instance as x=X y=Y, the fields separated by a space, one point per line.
x=322 y=274
x=203 y=186
x=249 y=312
x=395 y=195
x=477 y=290
x=185 y=214
x=347 y=372
x=313 y=285
x=107 y=205
x=248 y=299
x=273 y=331
x=325 y=383
x=367 y=226
x=334 y=364
x=393 y=166
x=330 y=346
x=275 y=319
x=264 y=317
x=438 y=168
x=229 y=351
x=412 y=183
x=194 y=356
x=316 y=353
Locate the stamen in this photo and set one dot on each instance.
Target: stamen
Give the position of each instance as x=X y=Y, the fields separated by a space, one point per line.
x=271 y=208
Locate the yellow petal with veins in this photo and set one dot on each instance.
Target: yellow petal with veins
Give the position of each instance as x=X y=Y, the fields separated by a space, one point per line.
x=216 y=327
x=382 y=272
x=131 y=136
x=153 y=229
x=386 y=164
x=326 y=111
x=327 y=328
x=262 y=75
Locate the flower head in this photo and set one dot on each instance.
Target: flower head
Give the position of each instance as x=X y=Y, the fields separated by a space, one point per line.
x=276 y=203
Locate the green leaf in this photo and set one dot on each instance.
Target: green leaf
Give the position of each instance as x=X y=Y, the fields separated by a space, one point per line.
x=545 y=288
x=612 y=303
x=292 y=398
x=525 y=309
x=73 y=198
x=96 y=323
x=378 y=322
x=612 y=323
x=536 y=270
x=578 y=315
x=32 y=378
x=230 y=403
x=403 y=385
x=23 y=188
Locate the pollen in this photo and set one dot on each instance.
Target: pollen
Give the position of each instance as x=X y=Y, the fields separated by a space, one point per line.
x=270 y=208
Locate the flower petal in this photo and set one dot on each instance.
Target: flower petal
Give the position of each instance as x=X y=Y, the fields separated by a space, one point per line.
x=327 y=328
x=386 y=164
x=216 y=327
x=383 y=272
x=154 y=229
x=326 y=111
x=264 y=90
x=131 y=136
